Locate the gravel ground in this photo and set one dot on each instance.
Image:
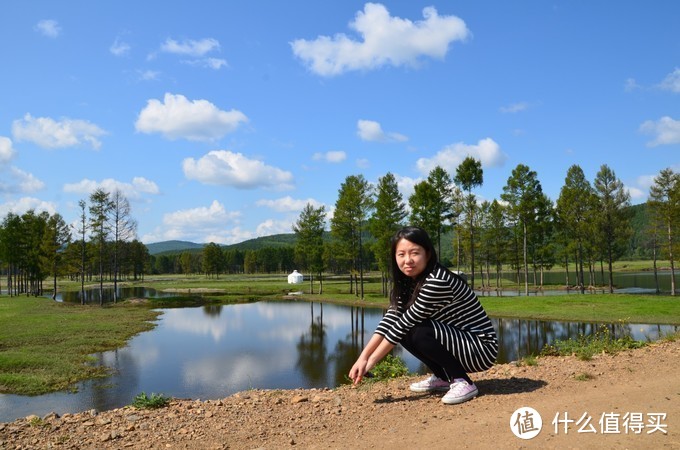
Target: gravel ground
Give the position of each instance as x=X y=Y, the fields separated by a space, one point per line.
x=627 y=400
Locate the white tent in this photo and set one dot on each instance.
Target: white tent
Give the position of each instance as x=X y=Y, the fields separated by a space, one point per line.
x=295 y=277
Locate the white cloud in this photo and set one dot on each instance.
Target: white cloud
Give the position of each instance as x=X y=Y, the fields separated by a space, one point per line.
x=225 y=168
x=209 y=63
x=177 y=117
x=270 y=227
x=636 y=193
x=49 y=28
x=406 y=185
x=133 y=191
x=201 y=224
x=666 y=131
x=148 y=75
x=514 y=108
x=369 y=130
x=363 y=163
x=196 y=49
x=449 y=158
x=288 y=204
x=385 y=40
x=190 y=47
x=27 y=182
x=119 y=48
x=6 y=150
x=49 y=133
x=330 y=157
x=671 y=82
x=25 y=204
x=15 y=180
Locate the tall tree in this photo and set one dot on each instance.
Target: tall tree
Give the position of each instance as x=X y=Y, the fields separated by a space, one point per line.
x=576 y=208
x=347 y=225
x=613 y=216
x=124 y=229
x=82 y=231
x=664 y=203
x=57 y=236
x=388 y=217
x=100 y=207
x=521 y=193
x=309 y=247
x=213 y=260
x=469 y=174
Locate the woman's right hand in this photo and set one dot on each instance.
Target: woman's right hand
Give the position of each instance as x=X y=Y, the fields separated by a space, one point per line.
x=356 y=373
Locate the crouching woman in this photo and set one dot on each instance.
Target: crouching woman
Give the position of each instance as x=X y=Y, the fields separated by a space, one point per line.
x=434 y=315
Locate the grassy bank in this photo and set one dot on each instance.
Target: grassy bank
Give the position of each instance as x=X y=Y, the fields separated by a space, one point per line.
x=588 y=308
x=45 y=346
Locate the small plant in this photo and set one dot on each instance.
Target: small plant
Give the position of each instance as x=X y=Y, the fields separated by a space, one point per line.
x=585 y=376
x=390 y=367
x=584 y=347
x=529 y=360
x=143 y=401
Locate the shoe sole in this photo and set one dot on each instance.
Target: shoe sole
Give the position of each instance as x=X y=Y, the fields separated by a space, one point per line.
x=421 y=390
x=457 y=400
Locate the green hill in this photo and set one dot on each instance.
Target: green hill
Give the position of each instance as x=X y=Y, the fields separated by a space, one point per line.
x=172 y=247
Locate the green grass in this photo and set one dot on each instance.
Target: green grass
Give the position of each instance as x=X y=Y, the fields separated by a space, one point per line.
x=588 y=308
x=154 y=401
x=46 y=346
x=586 y=346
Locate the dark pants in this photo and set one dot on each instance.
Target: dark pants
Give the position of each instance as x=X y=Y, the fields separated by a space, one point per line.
x=421 y=342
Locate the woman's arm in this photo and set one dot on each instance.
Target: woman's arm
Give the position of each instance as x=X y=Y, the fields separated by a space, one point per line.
x=375 y=350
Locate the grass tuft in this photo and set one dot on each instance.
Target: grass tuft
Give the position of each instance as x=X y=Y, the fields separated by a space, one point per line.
x=154 y=401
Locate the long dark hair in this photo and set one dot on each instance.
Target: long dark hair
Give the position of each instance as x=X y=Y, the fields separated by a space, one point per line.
x=403 y=286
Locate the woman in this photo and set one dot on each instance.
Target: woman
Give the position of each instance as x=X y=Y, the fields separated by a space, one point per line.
x=434 y=315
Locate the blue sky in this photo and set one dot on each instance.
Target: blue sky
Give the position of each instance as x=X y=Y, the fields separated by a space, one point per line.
x=220 y=120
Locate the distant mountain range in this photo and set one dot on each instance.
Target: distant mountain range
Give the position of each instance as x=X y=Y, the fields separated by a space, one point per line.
x=276 y=240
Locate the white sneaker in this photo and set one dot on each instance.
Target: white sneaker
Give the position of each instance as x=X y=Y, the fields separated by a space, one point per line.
x=433 y=383
x=459 y=392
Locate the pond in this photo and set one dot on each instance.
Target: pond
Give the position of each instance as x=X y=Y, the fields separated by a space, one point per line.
x=212 y=352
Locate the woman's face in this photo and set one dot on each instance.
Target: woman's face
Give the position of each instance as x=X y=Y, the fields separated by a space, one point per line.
x=411 y=258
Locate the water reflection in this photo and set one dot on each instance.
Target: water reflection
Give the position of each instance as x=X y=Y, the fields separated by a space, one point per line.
x=213 y=351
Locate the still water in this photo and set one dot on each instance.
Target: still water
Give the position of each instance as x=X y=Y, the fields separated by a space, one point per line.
x=211 y=352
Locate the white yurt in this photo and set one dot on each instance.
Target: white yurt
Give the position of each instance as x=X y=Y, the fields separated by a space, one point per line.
x=295 y=277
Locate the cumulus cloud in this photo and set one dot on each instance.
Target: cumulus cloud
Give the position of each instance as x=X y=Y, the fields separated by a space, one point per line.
x=195 y=49
x=384 y=40
x=665 y=131
x=49 y=28
x=133 y=191
x=177 y=117
x=6 y=150
x=225 y=168
x=202 y=224
x=369 y=130
x=25 y=204
x=288 y=204
x=330 y=157
x=270 y=226
x=49 y=133
x=671 y=82
x=486 y=150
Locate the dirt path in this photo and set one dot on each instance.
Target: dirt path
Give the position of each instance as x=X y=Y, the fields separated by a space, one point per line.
x=609 y=398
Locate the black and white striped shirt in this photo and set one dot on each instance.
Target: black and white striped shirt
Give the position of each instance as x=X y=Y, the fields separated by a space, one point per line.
x=459 y=321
